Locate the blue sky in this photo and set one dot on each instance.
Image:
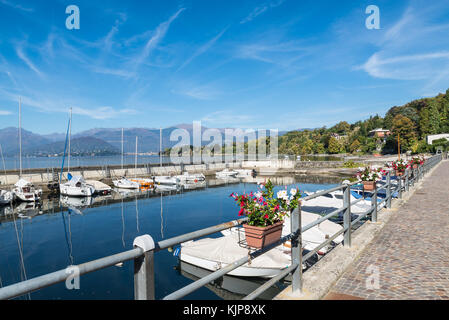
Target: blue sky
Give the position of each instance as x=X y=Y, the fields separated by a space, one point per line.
x=280 y=64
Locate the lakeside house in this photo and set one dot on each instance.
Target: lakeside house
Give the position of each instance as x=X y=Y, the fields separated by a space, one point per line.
x=433 y=137
x=379 y=133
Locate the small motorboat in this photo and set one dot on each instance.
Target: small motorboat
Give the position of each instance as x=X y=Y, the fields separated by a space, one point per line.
x=144 y=183
x=166 y=180
x=25 y=191
x=214 y=254
x=124 y=183
x=6 y=197
x=226 y=173
x=187 y=177
x=244 y=172
x=76 y=187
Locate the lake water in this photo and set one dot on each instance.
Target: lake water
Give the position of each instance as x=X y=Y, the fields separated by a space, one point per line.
x=33 y=243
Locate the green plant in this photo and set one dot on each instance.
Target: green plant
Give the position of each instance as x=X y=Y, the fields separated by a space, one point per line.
x=263 y=208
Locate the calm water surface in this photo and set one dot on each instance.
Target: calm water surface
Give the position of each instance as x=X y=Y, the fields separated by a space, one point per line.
x=32 y=244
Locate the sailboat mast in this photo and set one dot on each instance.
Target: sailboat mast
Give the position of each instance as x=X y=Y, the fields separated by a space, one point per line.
x=20 y=136
x=70 y=134
x=122 y=148
x=160 y=147
x=135 y=165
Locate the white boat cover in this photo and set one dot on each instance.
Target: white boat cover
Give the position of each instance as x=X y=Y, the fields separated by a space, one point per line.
x=22 y=183
x=75 y=179
x=226 y=250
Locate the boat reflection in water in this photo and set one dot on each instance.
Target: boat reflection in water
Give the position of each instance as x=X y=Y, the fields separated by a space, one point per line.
x=28 y=210
x=229 y=287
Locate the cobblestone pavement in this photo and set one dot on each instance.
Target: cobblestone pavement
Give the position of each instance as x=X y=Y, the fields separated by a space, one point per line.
x=409 y=258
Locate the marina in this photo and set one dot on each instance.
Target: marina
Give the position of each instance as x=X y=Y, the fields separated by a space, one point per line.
x=60 y=232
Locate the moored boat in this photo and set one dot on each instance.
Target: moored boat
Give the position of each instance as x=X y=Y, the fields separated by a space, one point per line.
x=124 y=183
x=76 y=187
x=26 y=191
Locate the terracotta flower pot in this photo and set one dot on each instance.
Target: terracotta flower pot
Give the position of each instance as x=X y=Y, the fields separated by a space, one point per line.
x=369 y=185
x=259 y=237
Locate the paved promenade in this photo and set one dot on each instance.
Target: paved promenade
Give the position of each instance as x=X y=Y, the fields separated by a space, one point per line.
x=409 y=258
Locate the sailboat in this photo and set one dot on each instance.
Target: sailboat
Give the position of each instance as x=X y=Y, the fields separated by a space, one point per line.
x=6 y=196
x=76 y=186
x=123 y=182
x=165 y=183
x=143 y=183
x=23 y=189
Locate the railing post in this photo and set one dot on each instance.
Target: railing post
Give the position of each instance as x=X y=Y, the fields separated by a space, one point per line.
x=347 y=216
x=388 y=199
x=144 y=269
x=374 y=205
x=296 y=250
x=406 y=179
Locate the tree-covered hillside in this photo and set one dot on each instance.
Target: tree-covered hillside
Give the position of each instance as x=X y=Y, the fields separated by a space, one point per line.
x=413 y=122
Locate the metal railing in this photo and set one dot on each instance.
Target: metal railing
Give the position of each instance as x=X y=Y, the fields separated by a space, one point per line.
x=144 y=247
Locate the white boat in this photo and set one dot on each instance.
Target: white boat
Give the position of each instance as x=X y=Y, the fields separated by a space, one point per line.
x=226 y=173
x=6 y=197
x=187 y=177
x=25 y=191
x=213 y=254
x=166 y=180
x=193 y=185
x=333 y=201
x=76 y=187
x=124 y=183
x=244 y=172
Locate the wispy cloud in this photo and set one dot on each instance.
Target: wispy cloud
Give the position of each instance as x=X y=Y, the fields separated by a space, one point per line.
x=155 y=39
x=261 y=9
x=201 y=92
x=203 y=49
x=230 y=119
x=21 y=54
x=53 y=104
x=15 y=6
x=5 y=113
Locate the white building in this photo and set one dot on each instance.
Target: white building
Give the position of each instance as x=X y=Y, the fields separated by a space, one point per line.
x=432 y=137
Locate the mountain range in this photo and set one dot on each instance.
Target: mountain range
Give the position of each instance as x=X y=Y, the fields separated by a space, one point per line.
x=98 y=141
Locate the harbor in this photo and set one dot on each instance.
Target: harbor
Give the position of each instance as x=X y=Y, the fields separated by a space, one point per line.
x=134 y=213
x=224 y=159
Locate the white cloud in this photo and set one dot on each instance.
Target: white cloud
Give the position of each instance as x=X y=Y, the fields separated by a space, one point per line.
x=5 y=113
x=155 y=39
x=203 y=49
x=28 y=62
x=16 y=6
x=261 y=9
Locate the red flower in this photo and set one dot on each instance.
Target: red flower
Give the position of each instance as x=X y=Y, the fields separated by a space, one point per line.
x=266 y=216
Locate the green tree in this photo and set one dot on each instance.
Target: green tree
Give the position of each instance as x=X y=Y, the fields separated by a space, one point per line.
x=335 y=146
x=434 y=117
x=406 y=130
x=355 y=146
